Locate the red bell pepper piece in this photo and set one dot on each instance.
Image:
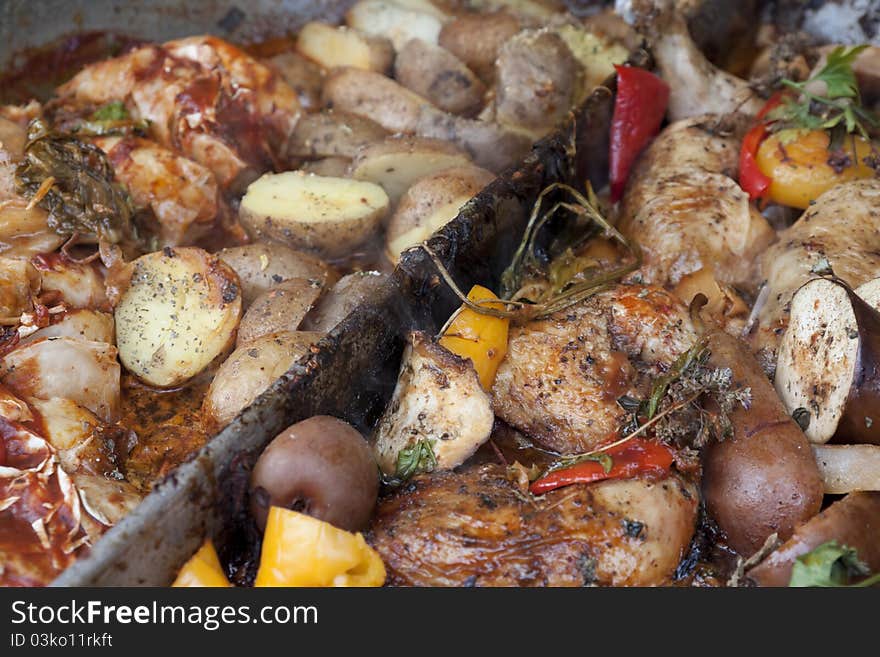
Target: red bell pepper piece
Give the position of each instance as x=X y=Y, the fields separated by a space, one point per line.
x=751 y=179
x=639 y=109
x=634 y=457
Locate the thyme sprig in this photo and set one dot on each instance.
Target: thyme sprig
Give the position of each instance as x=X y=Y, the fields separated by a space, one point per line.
x=565 y=289
x=687 y=407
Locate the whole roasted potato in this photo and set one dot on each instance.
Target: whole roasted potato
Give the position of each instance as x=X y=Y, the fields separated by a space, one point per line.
x=249 y=371
x=476 y=39
x=430 y=204
x=764 y=479
x=280 y=309
x=263 y=265
x=373 y=96
x=536 y=82
x=330 y=216
x=439 y=76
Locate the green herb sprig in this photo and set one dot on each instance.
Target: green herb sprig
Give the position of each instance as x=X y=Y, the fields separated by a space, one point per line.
x=831 y=564
x=838 y=109
x=416 y=458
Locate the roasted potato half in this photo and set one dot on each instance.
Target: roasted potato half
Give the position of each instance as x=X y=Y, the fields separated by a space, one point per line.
x=397 y=162
x=332 y=46
x=395 y=20
x=331 y=216
x=263 y=265
x=430 y=204
x=249 y=371
x=178 y=315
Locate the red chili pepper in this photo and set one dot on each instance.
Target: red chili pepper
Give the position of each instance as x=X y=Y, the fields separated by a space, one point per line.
x=639 y=109
x=751 y=179
x=632 y=458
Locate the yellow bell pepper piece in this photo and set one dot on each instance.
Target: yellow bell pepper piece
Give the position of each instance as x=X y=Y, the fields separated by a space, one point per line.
x=299 y=550
x=797 y=164
x=202 y=569
x=481 y=338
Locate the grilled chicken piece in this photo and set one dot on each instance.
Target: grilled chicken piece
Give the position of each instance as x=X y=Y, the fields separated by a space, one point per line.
x=181 y=194
x=202 y=96
x=841 y=229
x=264 y=92
x=696 y=85
x=438 y=399
x=563 y=375
x=476 y=529
x=688 y=213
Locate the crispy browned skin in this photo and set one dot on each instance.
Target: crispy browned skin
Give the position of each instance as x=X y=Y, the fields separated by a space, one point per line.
x=684 y=207
x=853 y=521
x=764 y=479
x=475 y=529
x=563 y=375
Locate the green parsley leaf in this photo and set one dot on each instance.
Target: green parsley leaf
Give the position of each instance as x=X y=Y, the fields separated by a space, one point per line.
x=830 y=564
x=838 y=73
x=416 y=458
x=114 y=111
x=839 y=106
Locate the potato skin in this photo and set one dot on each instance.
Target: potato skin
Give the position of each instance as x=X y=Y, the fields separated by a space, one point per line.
x=332 y=46
x=349 y=292
x=249 y=371
x=263 y=265
x=853 y=521
x=439 y=76
x=375 y=97
x=304 y=76
x=764 y=479
x=537 y=80
x=431 y=203
x=333 y=167
x=280 y=309
x=476 y=39
x=333 y=133
x=490 y=145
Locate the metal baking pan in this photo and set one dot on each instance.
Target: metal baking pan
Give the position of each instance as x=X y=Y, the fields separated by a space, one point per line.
x=352 y=371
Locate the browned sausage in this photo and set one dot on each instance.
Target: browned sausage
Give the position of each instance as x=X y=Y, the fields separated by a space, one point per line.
x=764 y=479
x=853 y=521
